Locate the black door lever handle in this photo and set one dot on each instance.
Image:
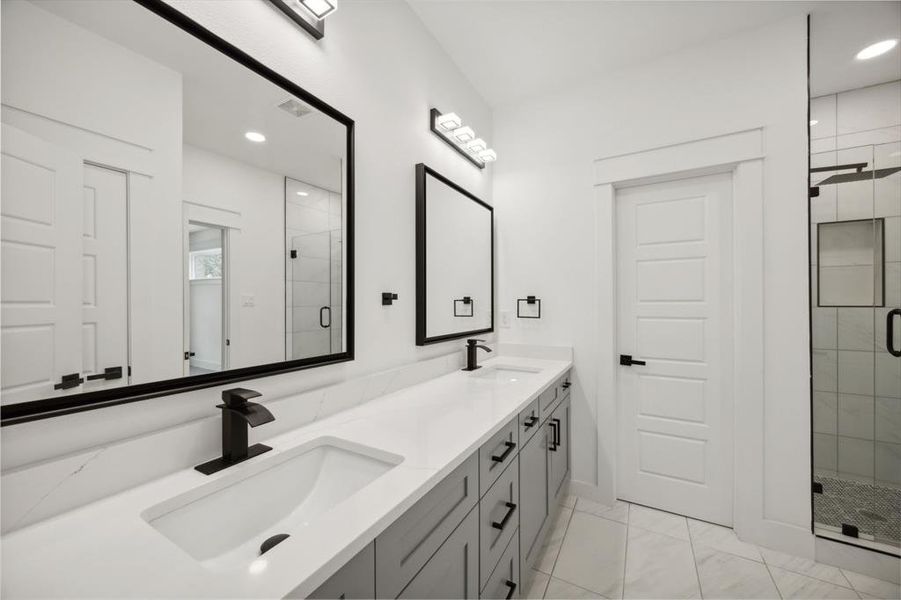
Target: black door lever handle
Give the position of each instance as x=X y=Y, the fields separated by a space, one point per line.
x=627 y=360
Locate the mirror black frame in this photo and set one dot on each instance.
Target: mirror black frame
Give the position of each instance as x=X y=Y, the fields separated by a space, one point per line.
x=422 y=337
x=52 y=407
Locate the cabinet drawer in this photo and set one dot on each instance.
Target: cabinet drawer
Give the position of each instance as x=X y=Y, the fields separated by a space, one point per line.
x=403 y=548
x=497 y=453
x=498 y=519
x=505 y=581
x=548 y=400
x=356 y=579
x=453 y=571
x=529 y=422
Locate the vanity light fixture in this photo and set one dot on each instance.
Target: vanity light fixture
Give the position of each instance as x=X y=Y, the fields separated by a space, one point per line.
x=255 y=136
x=488 y=155
x=449 y=121
x=877 y=49
x=477 y=145
x=309 y=14
x=450 y=128
x=464 y=134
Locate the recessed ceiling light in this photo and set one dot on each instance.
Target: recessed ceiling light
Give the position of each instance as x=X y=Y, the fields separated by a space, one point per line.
x=813 y=122
x=302 y=194
x=874 y=50
x=255 y=136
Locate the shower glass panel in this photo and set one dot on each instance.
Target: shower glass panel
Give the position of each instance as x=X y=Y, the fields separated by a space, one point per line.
x=855 y=210
x=314 y=265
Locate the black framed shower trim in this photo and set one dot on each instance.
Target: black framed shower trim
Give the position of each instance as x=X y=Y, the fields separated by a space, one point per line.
x=422 y=337
x=53 y=407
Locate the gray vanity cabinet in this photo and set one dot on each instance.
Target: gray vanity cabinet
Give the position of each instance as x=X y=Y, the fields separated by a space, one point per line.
x=453 y=571
x=533 y=496
x=504 y=582
x=499 y=519
x=354 y=580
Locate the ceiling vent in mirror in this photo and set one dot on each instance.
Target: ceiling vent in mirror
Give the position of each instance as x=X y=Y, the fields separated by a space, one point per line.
x=295 y=108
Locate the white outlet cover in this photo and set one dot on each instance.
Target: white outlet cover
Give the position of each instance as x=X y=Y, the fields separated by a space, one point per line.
x=506 y=318
x=247 y=300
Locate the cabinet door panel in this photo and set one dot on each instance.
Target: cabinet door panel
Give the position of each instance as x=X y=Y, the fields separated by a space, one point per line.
x=453 y=571
x=533 y=486
x=558 y=453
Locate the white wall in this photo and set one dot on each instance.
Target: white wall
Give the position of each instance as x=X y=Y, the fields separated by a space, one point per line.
x=547 y=242
x=378 y=65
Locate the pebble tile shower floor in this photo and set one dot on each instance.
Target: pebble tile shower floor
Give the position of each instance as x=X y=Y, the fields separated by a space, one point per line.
x=874 y=509
x=630 y=551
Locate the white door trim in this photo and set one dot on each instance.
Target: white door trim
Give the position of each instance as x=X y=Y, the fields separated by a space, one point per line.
x=742 y=154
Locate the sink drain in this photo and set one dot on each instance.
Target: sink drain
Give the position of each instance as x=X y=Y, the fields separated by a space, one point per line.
x=273 y=541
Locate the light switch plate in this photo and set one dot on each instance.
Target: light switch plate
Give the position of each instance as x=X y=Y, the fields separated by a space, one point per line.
x=506 y=319
x=247 y=300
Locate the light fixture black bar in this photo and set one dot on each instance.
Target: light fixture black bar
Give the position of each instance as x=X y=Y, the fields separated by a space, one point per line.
x=433 y=125
x=315 y=27
x=860 y=176
x=858 y=166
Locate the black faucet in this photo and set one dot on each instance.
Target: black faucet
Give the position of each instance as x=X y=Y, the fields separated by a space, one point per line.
x=471 y=346
x=237 y=415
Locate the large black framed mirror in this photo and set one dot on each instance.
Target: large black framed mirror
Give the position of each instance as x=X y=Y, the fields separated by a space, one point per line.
x=176 y=215
x=454 y=260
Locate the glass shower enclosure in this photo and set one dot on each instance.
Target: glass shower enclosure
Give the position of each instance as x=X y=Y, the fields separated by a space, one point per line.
x=855 y=274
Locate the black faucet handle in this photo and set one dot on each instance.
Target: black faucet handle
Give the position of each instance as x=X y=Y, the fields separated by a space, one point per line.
x=473 y=341
x=237 y=397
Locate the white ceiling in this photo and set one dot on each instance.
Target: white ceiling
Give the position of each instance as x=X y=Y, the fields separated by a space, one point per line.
x=512 y=50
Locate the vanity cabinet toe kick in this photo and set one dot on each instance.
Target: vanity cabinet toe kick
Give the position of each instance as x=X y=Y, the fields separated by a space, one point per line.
x=478 y=532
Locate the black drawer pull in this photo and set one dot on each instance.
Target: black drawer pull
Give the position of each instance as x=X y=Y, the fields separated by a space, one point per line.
x=530 y=422
x=511 y=508
x=108 y=373
x=557 y=427
x=512 y=586
x=566 y=385
x=553 y=444
x=69 y=381
x=510 y=446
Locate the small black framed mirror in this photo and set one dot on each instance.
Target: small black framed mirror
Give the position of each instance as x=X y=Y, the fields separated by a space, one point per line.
x=454 y=260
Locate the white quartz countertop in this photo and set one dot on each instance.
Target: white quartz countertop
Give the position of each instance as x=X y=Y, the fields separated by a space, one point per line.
x=107 y=549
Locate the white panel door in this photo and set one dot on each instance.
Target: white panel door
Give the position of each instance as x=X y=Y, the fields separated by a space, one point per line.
x=40 y=233
x=105 y=272
x=674 y=314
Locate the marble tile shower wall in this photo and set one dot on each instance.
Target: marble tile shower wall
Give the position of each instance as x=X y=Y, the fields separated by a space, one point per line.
x=856 y=382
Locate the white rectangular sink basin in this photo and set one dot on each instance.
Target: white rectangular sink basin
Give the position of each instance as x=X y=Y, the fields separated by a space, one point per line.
x=505 y=373
x=223 y=523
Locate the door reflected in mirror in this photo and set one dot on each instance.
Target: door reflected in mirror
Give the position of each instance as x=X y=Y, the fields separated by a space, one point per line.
x=455 y=260
x=170 y=209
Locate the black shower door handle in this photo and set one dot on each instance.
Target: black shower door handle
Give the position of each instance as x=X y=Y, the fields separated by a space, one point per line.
x=322 y=312
x=889 y=331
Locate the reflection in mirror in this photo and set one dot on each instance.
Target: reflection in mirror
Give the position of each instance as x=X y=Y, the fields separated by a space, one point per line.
x=146 y=177
x=455 y=250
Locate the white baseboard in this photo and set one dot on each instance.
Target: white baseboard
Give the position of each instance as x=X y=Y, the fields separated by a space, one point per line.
x=861 y=560
x=589 y=491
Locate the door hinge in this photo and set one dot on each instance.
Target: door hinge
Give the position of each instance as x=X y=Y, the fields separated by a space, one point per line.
x=188 y=355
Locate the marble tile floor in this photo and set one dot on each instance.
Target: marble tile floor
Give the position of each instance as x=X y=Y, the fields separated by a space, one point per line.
x=631 y=551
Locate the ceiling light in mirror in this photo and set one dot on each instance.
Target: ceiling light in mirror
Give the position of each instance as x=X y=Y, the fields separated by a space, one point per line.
x=320 y=8
x=303 y=193
x=255 y=136
x=449 y=121
x=877 y=49
x=813 y=122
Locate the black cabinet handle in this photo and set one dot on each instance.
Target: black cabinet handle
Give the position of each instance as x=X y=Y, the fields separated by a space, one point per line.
x=530 y=422
x=69 y=381
x=511 y=508
x=566 y=385
x=322 y=311
x=626 y=360
x=512 y=586
x=510 y=446
x=890 y=331
x=553 y=444
x=108 y=373
x=556 y=424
